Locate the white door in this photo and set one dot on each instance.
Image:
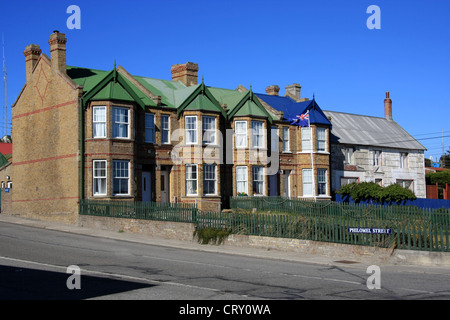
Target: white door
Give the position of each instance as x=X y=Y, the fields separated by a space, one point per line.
x=146 y=186
x=287 y=183
x=165 y=186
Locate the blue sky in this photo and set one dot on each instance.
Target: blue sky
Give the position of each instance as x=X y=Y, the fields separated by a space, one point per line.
x=324 y=45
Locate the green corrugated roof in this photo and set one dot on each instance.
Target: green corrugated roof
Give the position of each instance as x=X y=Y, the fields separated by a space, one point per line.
x=201 y=102
x=250 y=108
x=85 y=77
x=174 y=94
x=171 y=92
x=113 y=91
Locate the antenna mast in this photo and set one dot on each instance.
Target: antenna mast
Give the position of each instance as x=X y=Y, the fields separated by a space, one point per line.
x=5 y=101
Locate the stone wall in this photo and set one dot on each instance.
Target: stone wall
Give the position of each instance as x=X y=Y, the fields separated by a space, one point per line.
x=158 y=229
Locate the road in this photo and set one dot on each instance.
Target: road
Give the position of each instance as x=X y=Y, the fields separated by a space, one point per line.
x=34 y=262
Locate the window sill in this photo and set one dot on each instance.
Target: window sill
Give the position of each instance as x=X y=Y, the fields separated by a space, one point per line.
x=314 y=152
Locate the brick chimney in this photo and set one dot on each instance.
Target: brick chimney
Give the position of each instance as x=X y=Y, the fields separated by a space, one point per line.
x=388 y=107
x=186 y=73
x=58 y=50
x=31 y=53
x=273 y=90
x=294 y=90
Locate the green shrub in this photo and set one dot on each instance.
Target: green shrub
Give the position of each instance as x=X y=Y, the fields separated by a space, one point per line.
x=396 y=193
x=371 y=191
x=211 y=235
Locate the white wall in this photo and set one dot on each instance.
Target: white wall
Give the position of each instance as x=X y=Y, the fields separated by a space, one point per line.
x=389 y=170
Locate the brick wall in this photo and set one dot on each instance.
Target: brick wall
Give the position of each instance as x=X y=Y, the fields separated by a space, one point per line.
x=46 y=139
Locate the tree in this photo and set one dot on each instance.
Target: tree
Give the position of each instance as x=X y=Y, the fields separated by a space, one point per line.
x=441 y=177
x=445 y=160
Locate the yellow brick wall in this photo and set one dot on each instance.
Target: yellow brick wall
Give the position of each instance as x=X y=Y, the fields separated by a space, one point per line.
x=46 y=139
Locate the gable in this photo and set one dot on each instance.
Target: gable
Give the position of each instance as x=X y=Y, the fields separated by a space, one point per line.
x=247 y=105
x=201 y=99
x=110 y=86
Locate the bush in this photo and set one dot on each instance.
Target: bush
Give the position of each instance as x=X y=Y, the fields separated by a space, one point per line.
x=371 y=191
x=211 y=235
x=396 y=193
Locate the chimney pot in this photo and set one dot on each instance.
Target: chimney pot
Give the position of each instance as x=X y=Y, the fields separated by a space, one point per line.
x=388 y=107
x=186 y=73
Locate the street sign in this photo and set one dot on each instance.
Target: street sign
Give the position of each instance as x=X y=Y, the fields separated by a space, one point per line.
x=370 y=230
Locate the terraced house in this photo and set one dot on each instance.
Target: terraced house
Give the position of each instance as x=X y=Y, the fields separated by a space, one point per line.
x=81 y=133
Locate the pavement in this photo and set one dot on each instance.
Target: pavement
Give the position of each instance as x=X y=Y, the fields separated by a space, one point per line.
x=224 y=249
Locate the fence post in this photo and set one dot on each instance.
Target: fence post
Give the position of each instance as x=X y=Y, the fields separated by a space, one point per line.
x=194 y=214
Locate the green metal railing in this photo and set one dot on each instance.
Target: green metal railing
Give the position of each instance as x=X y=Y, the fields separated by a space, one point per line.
x=409 y=227
x=389 y=227
x=176 y=212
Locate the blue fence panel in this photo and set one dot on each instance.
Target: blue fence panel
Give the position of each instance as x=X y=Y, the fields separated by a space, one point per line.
x=419 y=202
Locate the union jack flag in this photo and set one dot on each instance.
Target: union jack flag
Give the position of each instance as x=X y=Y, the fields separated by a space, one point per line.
x=301 y=120
x=304 y=117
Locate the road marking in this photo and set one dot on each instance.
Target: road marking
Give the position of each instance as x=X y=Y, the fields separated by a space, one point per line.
x=116 y=275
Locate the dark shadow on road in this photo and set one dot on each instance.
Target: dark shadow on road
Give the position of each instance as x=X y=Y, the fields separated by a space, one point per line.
x=18 y=283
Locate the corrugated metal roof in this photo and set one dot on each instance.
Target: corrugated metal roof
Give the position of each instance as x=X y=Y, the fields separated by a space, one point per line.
x=364 y=130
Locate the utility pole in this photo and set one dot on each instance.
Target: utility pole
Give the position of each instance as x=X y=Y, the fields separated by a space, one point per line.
x=5 y=88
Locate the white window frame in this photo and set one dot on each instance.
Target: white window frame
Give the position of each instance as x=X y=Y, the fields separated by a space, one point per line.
x=285 y=136
x=321 y=139
x=240 y=181
x=376 y=157
x=322 y=181
x=208 y=132
x=306 y=139
x=127 y=177
x=191 y=179
x=240 y=133
x=403 y=160
x=188 y=130
x=210 y=176
x=307 y=181
x=349 y=155
x=165 y=129
x=96 y=177
x=261 y=181
x=121 y=123
x=257 y=134
x=150 y=127
x=97 y=122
